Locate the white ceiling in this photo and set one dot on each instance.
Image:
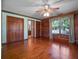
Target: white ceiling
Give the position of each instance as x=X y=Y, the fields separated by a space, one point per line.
x=29 y=7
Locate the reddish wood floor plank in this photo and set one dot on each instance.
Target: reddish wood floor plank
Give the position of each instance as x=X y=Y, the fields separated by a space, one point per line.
x=39 y=48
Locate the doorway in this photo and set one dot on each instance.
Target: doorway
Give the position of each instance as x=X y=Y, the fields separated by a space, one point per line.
x=33 y=29
x=15 y=29
x=29 y=29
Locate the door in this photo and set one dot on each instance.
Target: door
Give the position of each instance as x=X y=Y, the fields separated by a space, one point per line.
x=15 y=29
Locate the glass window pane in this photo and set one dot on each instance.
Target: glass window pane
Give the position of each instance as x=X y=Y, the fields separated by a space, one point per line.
x=64 y=26
x=55 y=27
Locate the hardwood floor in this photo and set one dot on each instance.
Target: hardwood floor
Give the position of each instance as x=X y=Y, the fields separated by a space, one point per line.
x=39 y=48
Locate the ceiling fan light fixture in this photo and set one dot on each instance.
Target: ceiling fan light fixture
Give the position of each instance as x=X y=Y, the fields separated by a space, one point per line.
x=46 y=6
x=46 y=14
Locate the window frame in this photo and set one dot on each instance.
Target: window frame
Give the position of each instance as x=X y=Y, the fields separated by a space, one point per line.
x=60 y=25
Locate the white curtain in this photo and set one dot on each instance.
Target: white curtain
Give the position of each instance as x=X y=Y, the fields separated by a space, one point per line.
x=72 y=39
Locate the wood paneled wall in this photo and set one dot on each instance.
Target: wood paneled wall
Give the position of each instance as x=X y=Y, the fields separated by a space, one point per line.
x=76 y=27
x=38 y=29
x=45 y=28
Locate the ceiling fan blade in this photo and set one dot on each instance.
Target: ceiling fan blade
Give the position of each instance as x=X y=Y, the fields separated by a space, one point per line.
x=57 y=1
x=40 y=10
x=54 y=8
x=45 y=1
x=51 y=10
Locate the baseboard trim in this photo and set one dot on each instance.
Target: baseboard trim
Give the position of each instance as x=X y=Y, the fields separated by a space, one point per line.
x=14 y=42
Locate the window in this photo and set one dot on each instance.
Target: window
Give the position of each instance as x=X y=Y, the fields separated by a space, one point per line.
x=55 y=26
x=60 y=26
x=65 y=26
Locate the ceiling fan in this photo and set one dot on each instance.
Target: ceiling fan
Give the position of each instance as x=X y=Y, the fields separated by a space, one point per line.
x=46 y=9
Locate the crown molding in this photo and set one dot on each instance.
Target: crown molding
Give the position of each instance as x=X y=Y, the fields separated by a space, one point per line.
x=19 y=14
